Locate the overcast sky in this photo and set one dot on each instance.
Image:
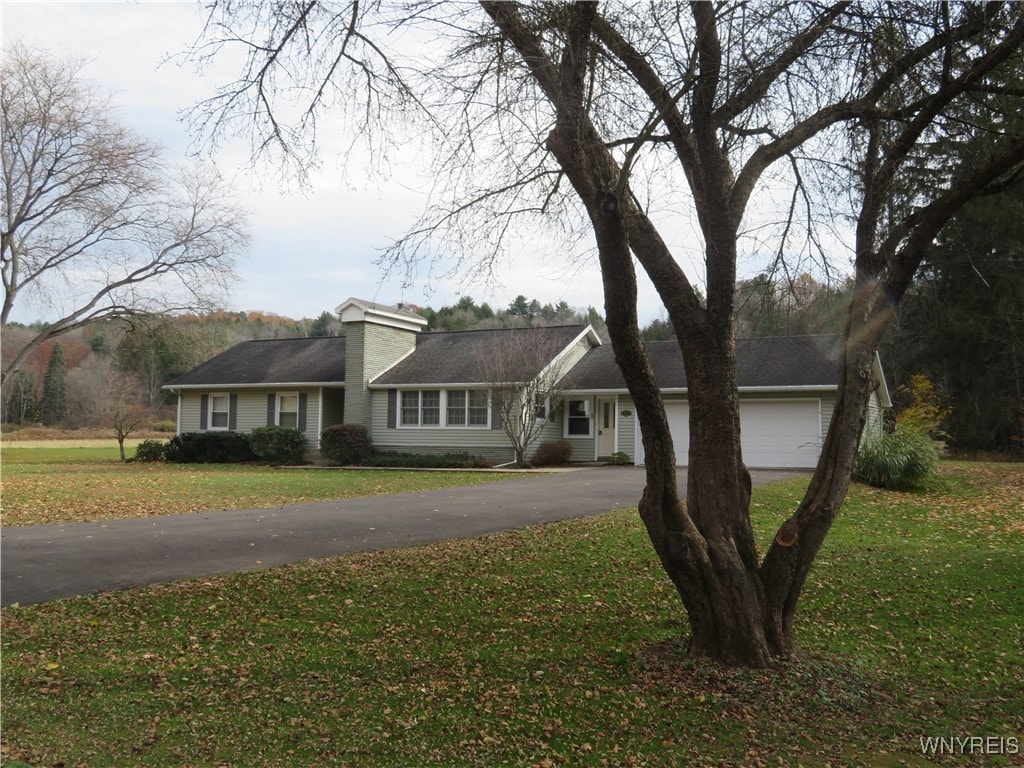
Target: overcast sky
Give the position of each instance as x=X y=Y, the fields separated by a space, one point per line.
x=310 y=250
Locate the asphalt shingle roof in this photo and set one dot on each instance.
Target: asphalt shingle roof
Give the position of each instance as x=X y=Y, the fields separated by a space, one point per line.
x=784 y=361
x=460 y=357
x=272 y=361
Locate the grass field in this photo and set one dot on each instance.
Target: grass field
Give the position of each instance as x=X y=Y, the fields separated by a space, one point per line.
x=45 y=484
x=557 y=645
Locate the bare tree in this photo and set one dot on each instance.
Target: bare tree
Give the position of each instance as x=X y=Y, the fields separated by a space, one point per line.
x=602 y=122
x=94 y=225
x=101 y=395
x=524 y=367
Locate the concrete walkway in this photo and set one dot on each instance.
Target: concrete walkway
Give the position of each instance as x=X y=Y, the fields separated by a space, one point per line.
x=47 y=562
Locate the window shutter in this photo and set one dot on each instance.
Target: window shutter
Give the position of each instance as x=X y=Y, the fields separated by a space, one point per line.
x=303 y=399
x=232 y=411
x=271 y=408
x=392 y=408
x=204 y=410
x=496 y=422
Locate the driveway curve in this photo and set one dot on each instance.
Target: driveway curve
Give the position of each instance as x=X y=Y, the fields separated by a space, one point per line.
x=47 y=562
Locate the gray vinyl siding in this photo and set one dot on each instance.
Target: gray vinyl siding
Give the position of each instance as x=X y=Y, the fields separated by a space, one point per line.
x=252 y=410
x=626 y=436
x=490 y=443
x=333 y=408
x=583 y=448
x=190 y=407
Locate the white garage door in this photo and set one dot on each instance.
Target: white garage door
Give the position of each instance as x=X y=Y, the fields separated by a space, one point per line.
x=776 y=434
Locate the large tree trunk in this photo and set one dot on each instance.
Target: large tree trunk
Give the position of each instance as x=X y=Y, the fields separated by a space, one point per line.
x=740 y=611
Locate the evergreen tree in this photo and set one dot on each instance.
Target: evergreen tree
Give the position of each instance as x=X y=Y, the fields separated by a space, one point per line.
x=519 y=307
x=54 y=404
x=325 y=325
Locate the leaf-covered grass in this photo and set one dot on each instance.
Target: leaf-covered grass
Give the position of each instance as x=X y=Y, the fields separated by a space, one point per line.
x=557 y=645
x=55 y=485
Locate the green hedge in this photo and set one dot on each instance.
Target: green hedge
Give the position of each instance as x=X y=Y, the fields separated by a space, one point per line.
x=151 y=450
x=345 y=444
x=210 y=448
x=427 y=461
x=278 y=445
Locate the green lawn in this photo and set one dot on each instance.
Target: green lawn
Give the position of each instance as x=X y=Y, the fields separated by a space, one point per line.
x=58 y=484
x=557 y=645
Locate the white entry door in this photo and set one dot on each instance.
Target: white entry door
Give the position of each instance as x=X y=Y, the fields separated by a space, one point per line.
x=605 y=420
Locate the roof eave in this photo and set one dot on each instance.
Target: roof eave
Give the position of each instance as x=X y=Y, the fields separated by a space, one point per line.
x=261 y=385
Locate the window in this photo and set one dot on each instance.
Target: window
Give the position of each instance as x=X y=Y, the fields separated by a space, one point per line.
x=421 y=409
x=577 y=418
x=410 y=409
x=220 y=407
x=541 y=406
x=430 y=402
x=288 y=411
x=479 y=408
x=456 y=408
x=460 y=408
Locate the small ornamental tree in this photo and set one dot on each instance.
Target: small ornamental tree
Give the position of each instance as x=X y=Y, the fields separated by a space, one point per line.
x=523 y=369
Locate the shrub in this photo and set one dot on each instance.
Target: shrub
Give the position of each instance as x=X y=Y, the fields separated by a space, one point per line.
x=620 y=459
x=278 y=445
x=210 y=448
x=899 y=460
x=164 y=426
x=553 y=453
x=427 y=461
x=346 y=444
x=151 y=450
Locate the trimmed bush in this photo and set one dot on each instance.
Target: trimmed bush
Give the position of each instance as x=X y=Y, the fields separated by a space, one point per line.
x=899 y=460
x=553 y=453
x=210 y=448
x=164 y=426
x=427 y=461
x=278 y=445
x=620 y=459
x=346 y=444
x=151 y=450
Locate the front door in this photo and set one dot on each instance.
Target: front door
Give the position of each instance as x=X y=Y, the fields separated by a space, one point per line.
x=605 y=426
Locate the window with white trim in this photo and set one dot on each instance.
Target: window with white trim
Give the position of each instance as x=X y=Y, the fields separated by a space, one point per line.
x=577 y=418
x=288 y=410
x=479 y=408
x=541 y=406
x=445 y=408
x=220 y=411
x=421 y=408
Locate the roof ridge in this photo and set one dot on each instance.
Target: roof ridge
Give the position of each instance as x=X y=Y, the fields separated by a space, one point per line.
x=292 y=338
x=522 y=328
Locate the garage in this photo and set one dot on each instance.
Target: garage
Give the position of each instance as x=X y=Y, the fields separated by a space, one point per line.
x=776 y=434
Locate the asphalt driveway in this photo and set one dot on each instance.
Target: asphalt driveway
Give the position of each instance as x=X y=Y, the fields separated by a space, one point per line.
x=47 y=562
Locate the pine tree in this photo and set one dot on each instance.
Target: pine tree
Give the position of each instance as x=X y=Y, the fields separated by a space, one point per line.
x=54 y=404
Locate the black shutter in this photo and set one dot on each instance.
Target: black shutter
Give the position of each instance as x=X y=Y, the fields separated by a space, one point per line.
x=392 y=408
x=303 y=400
x=271 y=408
x=232 y=411
x=204 y=409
